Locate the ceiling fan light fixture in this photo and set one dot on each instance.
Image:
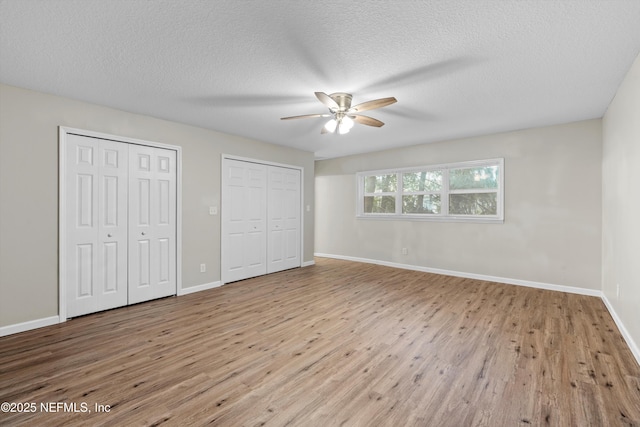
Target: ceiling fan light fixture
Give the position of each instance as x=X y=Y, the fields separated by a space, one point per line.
x=330 y=126
x=345 y=125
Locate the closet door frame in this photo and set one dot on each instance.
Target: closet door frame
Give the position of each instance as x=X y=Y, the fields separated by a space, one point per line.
x=223 y=184
x=63 y=132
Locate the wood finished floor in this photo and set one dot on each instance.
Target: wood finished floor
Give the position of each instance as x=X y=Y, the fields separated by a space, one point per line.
x=338 y=343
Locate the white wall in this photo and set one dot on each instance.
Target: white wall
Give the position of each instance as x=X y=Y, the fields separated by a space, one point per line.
x=621 y=204
x=29 y=192
x=552 y=228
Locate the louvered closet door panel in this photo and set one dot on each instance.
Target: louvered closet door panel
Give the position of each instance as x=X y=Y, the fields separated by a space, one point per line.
x=152 y=223
x=96 y=224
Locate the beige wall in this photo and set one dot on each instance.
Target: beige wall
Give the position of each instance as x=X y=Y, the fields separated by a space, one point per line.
x=621 y=203
x=29 y=191
x=552 y=228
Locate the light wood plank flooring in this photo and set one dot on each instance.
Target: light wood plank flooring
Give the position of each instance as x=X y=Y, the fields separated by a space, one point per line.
x=338 y=343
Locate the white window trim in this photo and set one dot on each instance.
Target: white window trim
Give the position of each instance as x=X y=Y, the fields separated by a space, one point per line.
x=499 y=218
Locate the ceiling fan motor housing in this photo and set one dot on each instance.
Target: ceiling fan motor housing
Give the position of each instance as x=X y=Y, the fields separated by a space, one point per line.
x=342 y=99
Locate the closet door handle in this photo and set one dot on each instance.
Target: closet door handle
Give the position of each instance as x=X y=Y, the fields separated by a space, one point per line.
x=108 y=235
x=143 y=233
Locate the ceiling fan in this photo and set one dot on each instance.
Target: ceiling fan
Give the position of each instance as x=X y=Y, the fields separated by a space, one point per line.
x=343 y=115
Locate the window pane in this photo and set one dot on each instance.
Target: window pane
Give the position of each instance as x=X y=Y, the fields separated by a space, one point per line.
x=421 y=204
x=379 y=204
x=481 y=177
x=422 y=181
x=473 y=204
x=380 y=183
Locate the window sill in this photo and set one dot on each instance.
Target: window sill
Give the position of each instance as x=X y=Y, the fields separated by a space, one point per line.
x=470 y=219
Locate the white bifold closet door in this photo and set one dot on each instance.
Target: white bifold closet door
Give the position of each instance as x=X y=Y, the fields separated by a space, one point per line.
x=96 y=224
x=115 y=192
x=261 y=219
x=244 y=213
x=283 y=218
x=152 y=223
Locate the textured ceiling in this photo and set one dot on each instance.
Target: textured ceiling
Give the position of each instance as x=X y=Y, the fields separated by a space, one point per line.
x=457 y=67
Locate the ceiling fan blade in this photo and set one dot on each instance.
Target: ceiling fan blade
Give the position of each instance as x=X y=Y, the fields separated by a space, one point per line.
x=327 y=100
x=324 y=130
x=305 y=116
x=366 y=120
x=370 y=105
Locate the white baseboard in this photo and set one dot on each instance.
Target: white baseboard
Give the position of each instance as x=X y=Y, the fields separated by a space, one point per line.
x=198 y=288
x=519 y=282
x=27 y=326
x=581 y=291
x=623 y=330
x=635 y=350
x=48 y=321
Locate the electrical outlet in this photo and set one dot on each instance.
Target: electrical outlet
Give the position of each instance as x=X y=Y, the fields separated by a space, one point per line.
x=203 y=268
x=405 y=251
x=213 y=210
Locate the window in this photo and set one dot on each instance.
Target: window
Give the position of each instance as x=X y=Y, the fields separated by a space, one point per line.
x=380 y=193
x=469 y=191
x=421 y=192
